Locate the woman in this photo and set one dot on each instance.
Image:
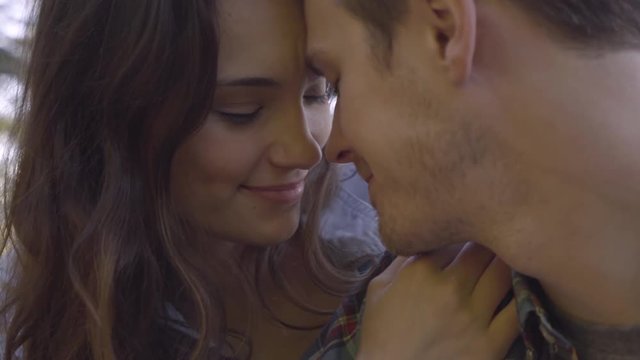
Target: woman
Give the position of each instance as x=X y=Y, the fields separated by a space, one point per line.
x=155 y=209
x=163 y=149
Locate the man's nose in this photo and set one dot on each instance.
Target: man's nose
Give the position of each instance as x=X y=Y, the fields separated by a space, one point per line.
x=337 y=149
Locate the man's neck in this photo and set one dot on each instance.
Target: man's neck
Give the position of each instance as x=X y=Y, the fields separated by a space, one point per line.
x=602 y=296
x=587 y=263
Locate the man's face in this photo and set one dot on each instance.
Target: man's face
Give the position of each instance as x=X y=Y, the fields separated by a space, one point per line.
x=508 y=149
x=390 y=122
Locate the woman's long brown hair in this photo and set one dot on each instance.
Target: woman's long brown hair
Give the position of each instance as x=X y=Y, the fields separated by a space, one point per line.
x=92 y=246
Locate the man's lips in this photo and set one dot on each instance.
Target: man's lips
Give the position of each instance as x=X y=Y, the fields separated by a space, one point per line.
x=282 y=193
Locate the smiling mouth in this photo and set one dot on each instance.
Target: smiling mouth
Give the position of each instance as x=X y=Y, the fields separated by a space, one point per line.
x=285 y=193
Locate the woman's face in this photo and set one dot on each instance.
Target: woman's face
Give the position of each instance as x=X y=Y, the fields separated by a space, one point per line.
x=242 y=175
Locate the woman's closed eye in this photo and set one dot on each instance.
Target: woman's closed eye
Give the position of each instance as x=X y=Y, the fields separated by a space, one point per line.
x=239 y=115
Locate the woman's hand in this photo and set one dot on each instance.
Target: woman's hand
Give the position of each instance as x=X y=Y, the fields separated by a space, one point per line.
x=419 y=309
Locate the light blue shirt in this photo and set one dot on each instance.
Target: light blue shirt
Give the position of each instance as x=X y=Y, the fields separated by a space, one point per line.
x=350 y=224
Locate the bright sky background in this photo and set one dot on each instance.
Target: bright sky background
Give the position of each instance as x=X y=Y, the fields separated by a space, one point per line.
x=13 y=15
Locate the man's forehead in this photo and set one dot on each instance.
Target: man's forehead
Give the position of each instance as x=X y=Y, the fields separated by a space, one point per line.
x=325 y=28
x=334 y=29
x=322 y=17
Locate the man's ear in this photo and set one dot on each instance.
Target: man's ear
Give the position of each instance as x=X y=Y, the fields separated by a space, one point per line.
x=454 y=25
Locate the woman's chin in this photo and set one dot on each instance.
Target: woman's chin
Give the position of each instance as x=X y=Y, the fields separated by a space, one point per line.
x=272 y=232
x=274 y=237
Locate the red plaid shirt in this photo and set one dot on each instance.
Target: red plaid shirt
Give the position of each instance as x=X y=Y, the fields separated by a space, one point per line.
x=539 y=341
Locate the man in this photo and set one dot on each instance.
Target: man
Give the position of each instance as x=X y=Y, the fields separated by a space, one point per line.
x=510 y=122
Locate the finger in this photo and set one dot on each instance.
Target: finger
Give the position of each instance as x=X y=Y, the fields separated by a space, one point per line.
x=425 y=264
x=504 y=329
x=491 y=289
x=470 y=264
x=386 y=277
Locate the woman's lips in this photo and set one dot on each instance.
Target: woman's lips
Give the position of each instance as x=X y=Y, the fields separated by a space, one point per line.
x=285 y=193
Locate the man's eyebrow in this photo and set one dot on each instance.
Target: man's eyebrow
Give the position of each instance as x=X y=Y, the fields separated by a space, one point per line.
x=315 y=69
x=249 y=81
x=314 y=61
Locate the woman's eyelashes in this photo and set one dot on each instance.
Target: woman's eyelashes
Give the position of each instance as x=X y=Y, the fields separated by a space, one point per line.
x=245 y=114
x=240 y=116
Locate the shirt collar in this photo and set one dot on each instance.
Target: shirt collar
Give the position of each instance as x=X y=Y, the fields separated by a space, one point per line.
x=541 y=339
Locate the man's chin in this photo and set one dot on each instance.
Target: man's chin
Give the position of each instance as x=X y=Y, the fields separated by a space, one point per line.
x=409 y=244
x=441 y=255
x=403 y=247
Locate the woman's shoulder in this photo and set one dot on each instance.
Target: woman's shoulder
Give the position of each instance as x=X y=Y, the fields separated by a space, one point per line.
x=340 y=337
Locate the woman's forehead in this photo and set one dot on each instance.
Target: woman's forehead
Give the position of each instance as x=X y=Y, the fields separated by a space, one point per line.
x=260 y=37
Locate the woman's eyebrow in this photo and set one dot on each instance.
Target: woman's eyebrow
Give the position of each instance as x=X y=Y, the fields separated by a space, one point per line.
x=249 y=81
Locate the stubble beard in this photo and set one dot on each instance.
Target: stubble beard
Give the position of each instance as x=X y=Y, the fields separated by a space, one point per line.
x=408 y=229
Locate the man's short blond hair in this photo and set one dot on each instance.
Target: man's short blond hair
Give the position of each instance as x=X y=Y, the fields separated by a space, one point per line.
x=587 y=24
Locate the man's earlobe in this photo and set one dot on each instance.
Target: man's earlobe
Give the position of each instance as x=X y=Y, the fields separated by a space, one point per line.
x=455 y=29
